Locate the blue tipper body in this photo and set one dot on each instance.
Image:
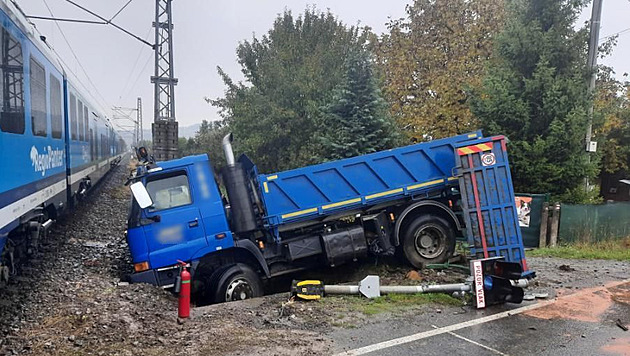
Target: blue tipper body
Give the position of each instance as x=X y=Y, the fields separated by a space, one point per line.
x=331 y=187
x=488 y=200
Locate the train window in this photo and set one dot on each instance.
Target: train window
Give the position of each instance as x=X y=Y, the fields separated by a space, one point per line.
x=86 y=119
x=55 y=107
x=12 y=88
x=39 y=123
x=81 y=127
x=73 y=117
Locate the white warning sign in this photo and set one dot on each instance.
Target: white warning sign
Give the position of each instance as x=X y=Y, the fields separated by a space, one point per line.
x=488 y=159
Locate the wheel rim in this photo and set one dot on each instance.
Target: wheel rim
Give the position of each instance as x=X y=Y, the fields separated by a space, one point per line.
x=429 y=241
x=238 y=289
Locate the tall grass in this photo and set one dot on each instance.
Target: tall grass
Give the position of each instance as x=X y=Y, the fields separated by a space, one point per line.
x=606 y=250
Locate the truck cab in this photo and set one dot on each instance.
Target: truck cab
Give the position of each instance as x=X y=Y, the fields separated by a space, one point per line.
x=185 y=220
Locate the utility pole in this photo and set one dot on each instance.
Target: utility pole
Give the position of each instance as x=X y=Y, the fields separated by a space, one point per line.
x=591 y=64
x=139 y=118
x=164 y=127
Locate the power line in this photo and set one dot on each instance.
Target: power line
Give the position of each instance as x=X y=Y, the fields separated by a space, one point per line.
x=119 y=11
x=79 y=63
x=616 y=34
x=134 y=66
x=65 y=20
x=109 y=22
x=139 y=75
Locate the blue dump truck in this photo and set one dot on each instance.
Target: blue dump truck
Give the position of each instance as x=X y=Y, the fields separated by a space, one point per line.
x=414 y=200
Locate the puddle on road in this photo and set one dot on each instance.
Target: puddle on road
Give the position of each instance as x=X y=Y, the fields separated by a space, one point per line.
x=586 y=305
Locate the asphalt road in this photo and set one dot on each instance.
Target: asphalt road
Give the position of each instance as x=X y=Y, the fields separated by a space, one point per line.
x=581 y=320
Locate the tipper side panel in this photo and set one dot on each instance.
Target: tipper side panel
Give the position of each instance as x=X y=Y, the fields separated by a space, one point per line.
x=488 y=200
x=346 y=184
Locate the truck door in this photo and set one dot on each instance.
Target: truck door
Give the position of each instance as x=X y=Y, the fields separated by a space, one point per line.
x=172 y=225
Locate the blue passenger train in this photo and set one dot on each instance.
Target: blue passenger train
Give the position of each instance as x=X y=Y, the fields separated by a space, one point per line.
x=54 y=144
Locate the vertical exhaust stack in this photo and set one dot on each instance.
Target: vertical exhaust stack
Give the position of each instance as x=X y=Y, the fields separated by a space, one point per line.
x=237 y=186
x=227 y=149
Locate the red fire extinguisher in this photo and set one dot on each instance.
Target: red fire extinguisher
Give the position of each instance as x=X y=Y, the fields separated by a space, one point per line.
x=183 y=310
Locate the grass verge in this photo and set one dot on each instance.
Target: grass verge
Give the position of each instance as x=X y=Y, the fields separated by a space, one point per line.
x=392 y=303
x=605 y=250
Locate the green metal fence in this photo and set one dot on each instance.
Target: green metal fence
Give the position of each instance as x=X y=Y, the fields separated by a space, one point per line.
x=591 y=223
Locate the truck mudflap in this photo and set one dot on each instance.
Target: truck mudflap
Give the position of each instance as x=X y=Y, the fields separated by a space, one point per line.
x=488 y=201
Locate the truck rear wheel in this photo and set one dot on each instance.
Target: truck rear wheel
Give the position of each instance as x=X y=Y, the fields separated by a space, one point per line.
x=237 y=282
x=428 y=239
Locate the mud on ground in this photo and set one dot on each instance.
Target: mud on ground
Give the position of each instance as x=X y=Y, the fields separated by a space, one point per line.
x=70 y=299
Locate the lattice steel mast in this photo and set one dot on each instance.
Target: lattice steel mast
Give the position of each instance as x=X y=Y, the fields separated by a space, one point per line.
x=164 y=125
x=139 y=118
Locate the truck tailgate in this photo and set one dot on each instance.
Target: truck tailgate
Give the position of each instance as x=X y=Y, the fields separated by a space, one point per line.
x=488 y=200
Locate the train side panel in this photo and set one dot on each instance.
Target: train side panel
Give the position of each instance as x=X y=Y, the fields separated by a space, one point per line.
x=32 y=152
x=90 y=143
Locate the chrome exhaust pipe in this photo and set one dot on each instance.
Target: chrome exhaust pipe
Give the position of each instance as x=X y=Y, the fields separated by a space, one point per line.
x=227 y=149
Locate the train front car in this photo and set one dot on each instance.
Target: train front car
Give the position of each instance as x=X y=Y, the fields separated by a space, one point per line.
x=32 y=141
x=54 y=145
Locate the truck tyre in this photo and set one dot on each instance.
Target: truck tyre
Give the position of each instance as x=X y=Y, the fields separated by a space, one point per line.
x=428 y=239
x=237 y=282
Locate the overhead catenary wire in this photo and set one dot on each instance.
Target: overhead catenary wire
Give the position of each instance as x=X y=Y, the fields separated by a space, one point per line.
x=139 y=75
x=63 y=35
x=119 y=11
x=110 y=22
x=133 y=68
x=65 y=20
x=624 y=31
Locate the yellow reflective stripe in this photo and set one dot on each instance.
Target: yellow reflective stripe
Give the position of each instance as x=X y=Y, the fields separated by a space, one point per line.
x=382 y=194
x=308 y=297
x=472 y=135
x=185 y=282
x=453 y=178
x=484 y=146
x=341 y=203
x=275 y=176
x=298 y=213
x=415 y=186
x=466 y=150
x=266 y=187
x=299 y=284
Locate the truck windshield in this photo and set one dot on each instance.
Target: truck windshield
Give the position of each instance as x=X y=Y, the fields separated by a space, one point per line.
x=169 y=191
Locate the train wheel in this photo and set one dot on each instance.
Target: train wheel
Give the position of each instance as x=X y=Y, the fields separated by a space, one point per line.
x=237 y=282
x=428 y=239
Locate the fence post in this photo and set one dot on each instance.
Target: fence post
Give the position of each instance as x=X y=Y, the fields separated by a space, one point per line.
x=555 y=221
x=544 y=217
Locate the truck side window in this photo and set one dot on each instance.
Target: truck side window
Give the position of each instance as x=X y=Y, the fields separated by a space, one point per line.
x=169 y=191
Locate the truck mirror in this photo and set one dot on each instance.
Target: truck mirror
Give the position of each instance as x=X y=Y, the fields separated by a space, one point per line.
x=141 y=194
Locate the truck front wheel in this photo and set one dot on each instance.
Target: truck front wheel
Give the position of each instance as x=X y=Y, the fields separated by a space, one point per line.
x=428 y=239
x=237 y=282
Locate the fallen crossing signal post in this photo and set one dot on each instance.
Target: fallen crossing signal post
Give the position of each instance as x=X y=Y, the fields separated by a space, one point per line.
x=492 y=281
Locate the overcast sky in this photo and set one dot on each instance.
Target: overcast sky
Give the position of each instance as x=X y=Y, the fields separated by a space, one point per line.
x=206 y=34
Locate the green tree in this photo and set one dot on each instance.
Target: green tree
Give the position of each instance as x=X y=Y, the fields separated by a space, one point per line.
x=535 y=93
x=290 y=74
x=611 y=122
x=208 y=140
x=431 y=59
x=356 y=121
